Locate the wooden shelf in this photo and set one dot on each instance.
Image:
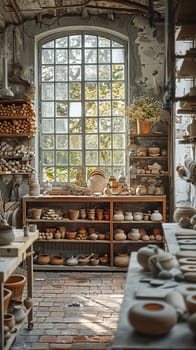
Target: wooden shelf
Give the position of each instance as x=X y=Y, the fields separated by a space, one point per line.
x=188 y=68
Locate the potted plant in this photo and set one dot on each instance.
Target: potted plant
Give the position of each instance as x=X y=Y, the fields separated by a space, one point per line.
x=144 y=111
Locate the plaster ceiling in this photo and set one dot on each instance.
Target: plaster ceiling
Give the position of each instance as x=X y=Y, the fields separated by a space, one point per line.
x=18 y=11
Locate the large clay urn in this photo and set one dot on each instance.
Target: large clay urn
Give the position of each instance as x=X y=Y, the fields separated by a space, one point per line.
x=6 y=234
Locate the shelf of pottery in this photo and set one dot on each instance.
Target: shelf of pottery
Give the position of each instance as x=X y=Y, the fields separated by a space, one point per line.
x=185 y=57
x=148 y=164
x=92 y=232
x=17 y=127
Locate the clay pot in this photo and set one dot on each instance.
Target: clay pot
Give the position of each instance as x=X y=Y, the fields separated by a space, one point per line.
x=191 y=303
x=144 y=253
x=16 y=284
x=71 y=235
x=6 y=235
x=9 y=321
x=134 y=234
x=56 y=260
x=36 y=213
x=120 y=235
x=6 y=298
x=121 y=260
x=180 y=212
x=74 y=214
x=153 y=318
x=43 y=259
x=161 y=261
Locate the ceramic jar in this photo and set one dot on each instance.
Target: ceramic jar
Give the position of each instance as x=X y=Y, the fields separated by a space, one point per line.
x=121 y=260
x=6 y=235
x=144 y=253
x=118 y=215
x=19 y=313
x=134 y=234
x=180 y=212
x=152 y=317
x=161 y=261
x=156 y=216
x=120 y=235
x=34 y=188
x=128 y=216
x=56 y=260
x=43 y=259
x=138 y=216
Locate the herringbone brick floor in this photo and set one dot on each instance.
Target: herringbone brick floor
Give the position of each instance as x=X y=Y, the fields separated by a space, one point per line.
x=73 y=310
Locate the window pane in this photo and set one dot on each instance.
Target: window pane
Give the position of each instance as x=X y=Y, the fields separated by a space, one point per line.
x=104 y=72
x=104 y=56
x=90 y=56
x=48 y=174
x=75 y=125
x=62 y=109
x=119 y=158
x=75 y=56
x=90 y=72
x=118 y=56
x=118 y=124
x=62 y=42
x=104 y=90
x=62 y=141
x=61 y=126
x=61 y=157
x=105 y=158
x=118 y=108
x=61 y=56
x=118 y=72
x=74 y=73
x=48 y=157
x=104 y=42
x=49 y=44
x=48 y=91
x=91 y=141
x=118 y=90
x=90 y=91
x=75 y=91
x=61 y=91
x=75 y=142
x=105 y=124
x=47 y=126
x=91 y=158
x=90 y=41
x=61 y=73
x=75 y=157
x=75 y=41
x=47 y=73
x=118 y=141
x=62 y=174
x=91 y=109
x=90 y=125
x=105 y=108
x=48 y=141
x=47 y=56
x=47 y=109
x=75 y=109
x=105 y=141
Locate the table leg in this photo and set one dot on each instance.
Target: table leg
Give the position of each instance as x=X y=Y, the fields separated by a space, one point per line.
x=29 y=261
x=1 y=316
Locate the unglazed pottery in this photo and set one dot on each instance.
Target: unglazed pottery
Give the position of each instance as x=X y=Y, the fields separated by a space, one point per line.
x=144 y=253
x=161 y=261
x=121 y=260
x=153 y=318
x=6 y=235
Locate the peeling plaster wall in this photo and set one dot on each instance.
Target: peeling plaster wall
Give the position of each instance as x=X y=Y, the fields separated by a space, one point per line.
x=146 y=56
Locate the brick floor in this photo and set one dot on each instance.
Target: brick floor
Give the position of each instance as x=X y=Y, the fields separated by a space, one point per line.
x=73 y=310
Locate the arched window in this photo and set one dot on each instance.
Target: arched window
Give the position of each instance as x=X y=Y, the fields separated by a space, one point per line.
x=82 y=79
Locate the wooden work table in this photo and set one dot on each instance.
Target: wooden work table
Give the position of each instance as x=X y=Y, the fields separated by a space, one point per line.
x=180 y=336
x=10 y=258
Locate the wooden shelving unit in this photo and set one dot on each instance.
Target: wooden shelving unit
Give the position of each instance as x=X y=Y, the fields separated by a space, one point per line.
x=110 y=246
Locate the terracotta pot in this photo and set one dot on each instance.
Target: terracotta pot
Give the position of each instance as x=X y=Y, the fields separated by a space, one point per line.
x=16 y=284
x=6 y=298
x=153 y=318
x=9 y=321
x=43 y=259
x=143 y=127
x=74 y=214
x=56 y=260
